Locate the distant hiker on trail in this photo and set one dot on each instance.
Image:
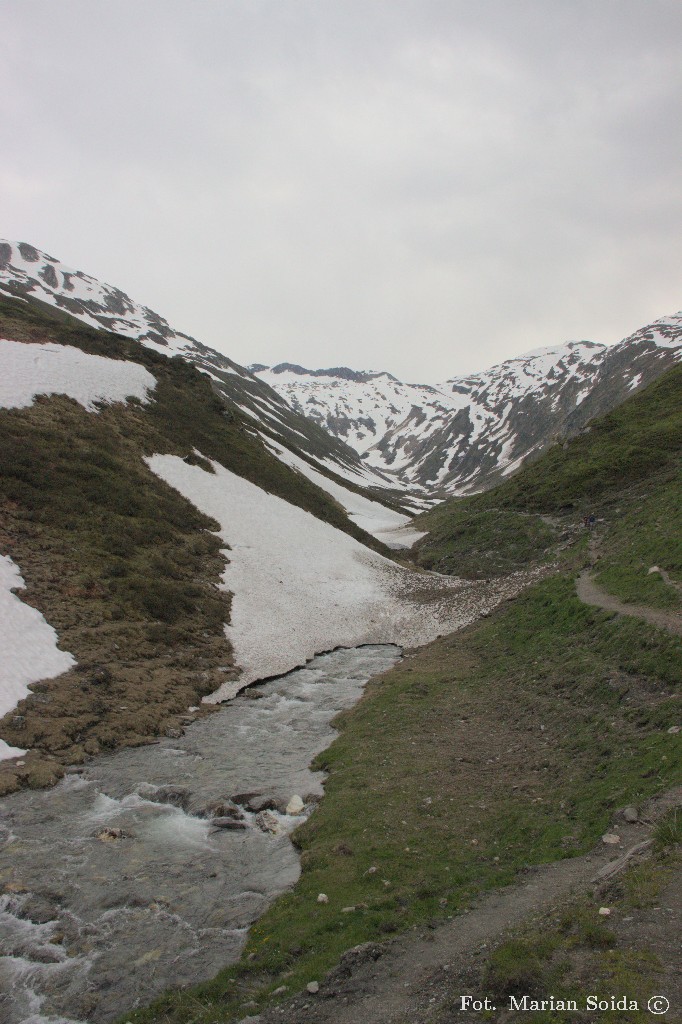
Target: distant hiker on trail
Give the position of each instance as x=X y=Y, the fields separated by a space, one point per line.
x=591 y=521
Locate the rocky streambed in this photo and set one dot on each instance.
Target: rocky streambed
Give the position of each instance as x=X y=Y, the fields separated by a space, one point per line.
x=145 y=870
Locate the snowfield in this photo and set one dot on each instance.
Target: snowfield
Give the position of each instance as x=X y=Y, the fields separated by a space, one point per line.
x=48 y=369
x=385 y=524
x=28 y=644
x=301 y=586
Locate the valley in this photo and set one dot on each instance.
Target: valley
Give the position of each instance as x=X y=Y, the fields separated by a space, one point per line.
x=182 y=540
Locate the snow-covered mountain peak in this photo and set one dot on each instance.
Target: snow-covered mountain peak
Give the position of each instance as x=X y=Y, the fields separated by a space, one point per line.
x=537 y=364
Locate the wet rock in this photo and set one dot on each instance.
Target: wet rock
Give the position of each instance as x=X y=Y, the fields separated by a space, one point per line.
x=255 y=802
x=46 y=955
x=177 y=796
x=232 y=824
x=261 y=803
x=244 y=799
x=267 y=822
x=39 y=909
x=220 y=809
x=9 y=782
x=108 y=835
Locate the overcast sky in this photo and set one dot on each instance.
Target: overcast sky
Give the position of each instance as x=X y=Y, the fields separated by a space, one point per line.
x=423 y=186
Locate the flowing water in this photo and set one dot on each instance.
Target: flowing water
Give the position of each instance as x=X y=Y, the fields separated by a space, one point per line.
x=111 y=897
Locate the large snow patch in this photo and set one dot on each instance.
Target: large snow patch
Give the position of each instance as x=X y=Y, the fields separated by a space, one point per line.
x=49 y=369
x=301 y=586
x=28 y=645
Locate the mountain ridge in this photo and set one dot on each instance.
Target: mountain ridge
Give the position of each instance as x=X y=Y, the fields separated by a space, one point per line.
x=468 y=433
x=366 y=428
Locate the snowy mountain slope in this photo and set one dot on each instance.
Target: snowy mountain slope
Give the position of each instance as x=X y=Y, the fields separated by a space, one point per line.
x=433 y=435
x=470 y=432
x=631 y=364
x=28 y=273
x=124 y=566
x=120 y=565
x=361 y=408
x=300 y=586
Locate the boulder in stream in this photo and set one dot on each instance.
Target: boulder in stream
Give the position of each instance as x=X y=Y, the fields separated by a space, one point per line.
x=268 y=822
x=220 y=809
x=233 y=824
x=176 y=796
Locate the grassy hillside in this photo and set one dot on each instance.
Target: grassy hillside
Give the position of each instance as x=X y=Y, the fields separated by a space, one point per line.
x=122 y=566
x=625 y=468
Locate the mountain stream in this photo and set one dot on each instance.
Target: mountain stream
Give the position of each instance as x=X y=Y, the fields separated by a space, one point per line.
x=111 y=896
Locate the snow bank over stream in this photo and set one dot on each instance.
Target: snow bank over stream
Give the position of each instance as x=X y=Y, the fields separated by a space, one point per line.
x=301 y=586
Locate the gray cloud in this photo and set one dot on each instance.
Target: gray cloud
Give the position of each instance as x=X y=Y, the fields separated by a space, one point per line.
x=424 y=186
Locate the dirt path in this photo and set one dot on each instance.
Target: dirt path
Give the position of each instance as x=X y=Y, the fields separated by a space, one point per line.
x=407 y=980
x=590 y=593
